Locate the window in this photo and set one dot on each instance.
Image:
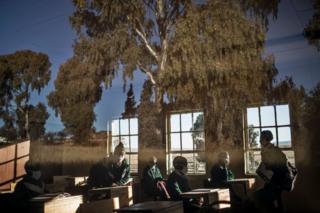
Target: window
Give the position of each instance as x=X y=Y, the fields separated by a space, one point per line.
x=126 y=131
x=275 y=118
x=185 y=137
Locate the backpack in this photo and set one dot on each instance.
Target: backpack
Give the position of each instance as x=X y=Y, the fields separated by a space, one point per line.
x=290 y=177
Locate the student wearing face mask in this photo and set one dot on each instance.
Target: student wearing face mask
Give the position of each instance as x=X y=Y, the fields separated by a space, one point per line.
x=220 y=172
x=152 y=180
x=110 y=171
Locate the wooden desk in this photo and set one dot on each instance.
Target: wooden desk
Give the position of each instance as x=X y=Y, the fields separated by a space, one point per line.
x=210 y=196
x=123 y=192
x=52 y=203
x=245 y=185
x=100 y=206
x=155 y=206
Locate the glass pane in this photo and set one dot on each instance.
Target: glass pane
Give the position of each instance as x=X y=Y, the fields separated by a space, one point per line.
x=283 y=117
x=200 y=163
x=273 y=130
x=134 y=163
x=267 y=116
x=199 y=142
x=284 y=136
x=124 y=126
x=187 y=142
x=170 y=166
x=133 y=126
x=186 y=122
x=125 y=141
x=115 y=142
x=254 y=137
x=191 y=164
x=253 y=159
x=253 y=116
x=134 y=143
x=115 y=127
x=290 y=156
x=198 y=121
x=175 y=142
x=175 y=123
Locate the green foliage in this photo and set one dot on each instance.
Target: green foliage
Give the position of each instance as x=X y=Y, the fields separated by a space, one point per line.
x=20 y=73
x=130 y=105
x=37 y=118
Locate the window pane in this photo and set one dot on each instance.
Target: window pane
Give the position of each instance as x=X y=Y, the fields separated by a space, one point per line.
x=125 y=141
x=284 y=136
x=186 y=122
x=134 y=163
x=200 y=162
x=187 y=142
x=290 y=156
x=175 y=142
x=115 y=142
x=191 y=162
x=198 y=121
x=124 y=126
x=115 y=127
x=199 y=143
x=253 y=159
x=253 y=116
x=254 y=137
x=133 y=126
x=283 y=117
x=134 y=143
x=267 y=116
x=175 y=123
x=273 y=130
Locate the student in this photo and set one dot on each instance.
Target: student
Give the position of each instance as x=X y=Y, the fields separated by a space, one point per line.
x=111 y=171
x=152 y=180
x=220 y=173
x=268 y=199
x=178 y=182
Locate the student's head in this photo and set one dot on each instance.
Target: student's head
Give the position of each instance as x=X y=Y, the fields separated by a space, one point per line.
x=32 y=169
x=180 y=163
x=119 y=153
x=224 y=158
x=266 y=137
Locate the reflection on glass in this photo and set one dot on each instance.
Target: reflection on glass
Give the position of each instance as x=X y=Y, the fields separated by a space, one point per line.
x=267 y=116
x=134 y=143
x=115 y=127
x=186 y=122
x=175 y=141
x=198 y=121
x=253 y=116
x=254 y=137
x=124 y=126
x=273 y=130
x=284 y=136
x=175 y=123
x=125 y=141
x=200 y=163
x=283 y=117
x=133 y=126
x=253 y=159
x=187 y=142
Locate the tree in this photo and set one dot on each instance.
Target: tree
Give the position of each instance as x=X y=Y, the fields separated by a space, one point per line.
x=21 y=73
x=130 y=105
x=37 y=117
x=312 y=30
x=77 y=90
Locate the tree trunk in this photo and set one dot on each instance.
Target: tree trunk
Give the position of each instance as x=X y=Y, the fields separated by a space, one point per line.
x=26 y=124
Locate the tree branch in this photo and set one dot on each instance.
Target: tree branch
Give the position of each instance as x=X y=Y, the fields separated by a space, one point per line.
x=147 y=72
x=146 y=43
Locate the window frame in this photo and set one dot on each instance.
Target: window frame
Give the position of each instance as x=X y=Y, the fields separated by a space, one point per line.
x=181 y=152
x=129 y=135
x=246 y=145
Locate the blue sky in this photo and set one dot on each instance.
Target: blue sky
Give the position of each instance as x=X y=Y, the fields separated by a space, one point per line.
x=43 y=25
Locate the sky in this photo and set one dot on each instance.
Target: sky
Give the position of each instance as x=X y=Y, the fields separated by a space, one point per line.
x=43 y=26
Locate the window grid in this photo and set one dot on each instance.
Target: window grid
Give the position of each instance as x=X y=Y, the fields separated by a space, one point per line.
x=181 y=151
x=129 y=153
x=248 y=147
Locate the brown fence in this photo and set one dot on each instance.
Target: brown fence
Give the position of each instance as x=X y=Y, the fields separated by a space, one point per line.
x=12 y=160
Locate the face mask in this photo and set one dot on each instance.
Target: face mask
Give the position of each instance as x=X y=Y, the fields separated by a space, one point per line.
x=36 y=175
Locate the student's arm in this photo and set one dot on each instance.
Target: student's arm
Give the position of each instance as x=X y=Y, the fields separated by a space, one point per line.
x=126 y=176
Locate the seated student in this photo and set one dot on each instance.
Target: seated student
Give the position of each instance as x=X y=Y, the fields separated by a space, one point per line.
x=220 y=173
x=178 y=182
x=152 y=180
x=111 y=171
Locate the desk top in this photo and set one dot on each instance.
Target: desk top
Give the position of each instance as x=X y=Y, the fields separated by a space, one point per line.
x=151 y=206
x=201 y=192
x=242 y=180
x=108 y=188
